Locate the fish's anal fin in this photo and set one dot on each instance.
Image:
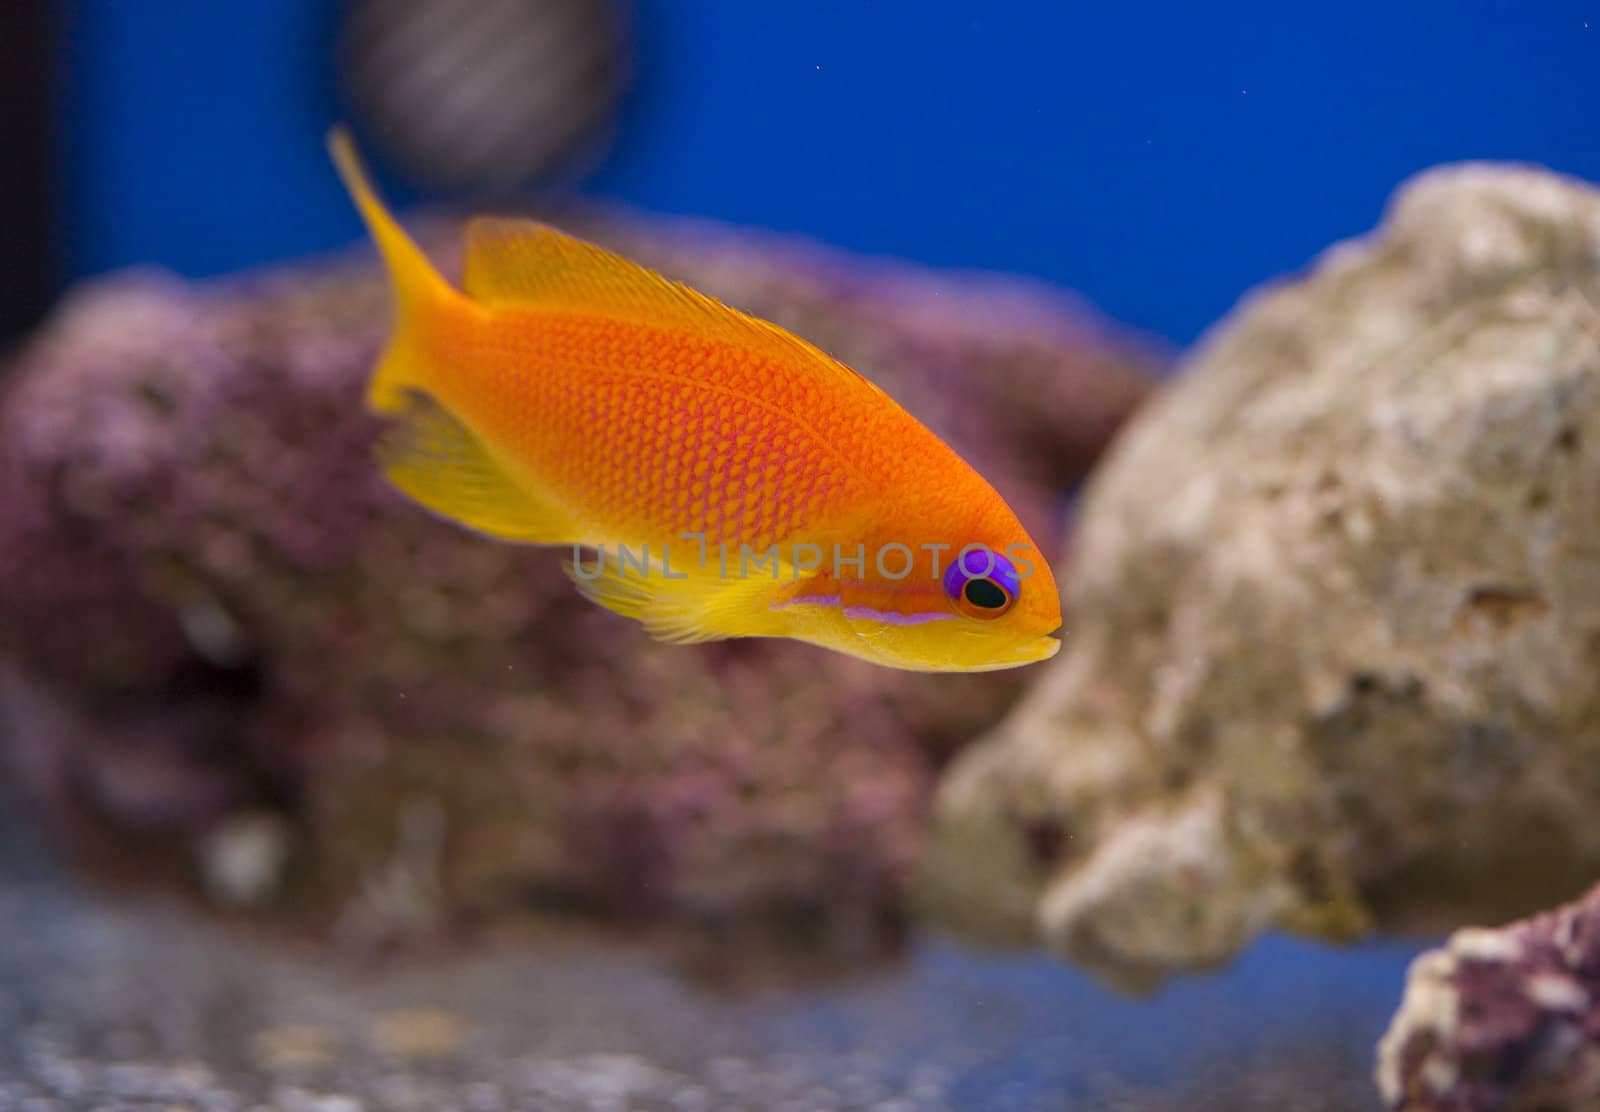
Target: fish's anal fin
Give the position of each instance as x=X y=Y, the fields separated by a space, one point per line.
x=518 y=262
x=701 y=607
x=431 y=456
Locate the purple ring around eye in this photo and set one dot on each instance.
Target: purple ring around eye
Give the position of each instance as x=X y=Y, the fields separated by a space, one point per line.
x=979 y=562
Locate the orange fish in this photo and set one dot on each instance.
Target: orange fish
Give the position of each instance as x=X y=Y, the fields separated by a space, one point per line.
x=714 y=475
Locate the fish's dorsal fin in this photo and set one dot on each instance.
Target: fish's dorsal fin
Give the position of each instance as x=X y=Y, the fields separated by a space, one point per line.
x=513 y=261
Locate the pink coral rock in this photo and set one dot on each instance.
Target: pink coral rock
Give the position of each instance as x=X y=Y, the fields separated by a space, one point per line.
x=212 y=606
x=1501 y=1019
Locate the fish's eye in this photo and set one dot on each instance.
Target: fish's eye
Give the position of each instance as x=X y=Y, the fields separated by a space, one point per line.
x=986 y=594
x=982 y=583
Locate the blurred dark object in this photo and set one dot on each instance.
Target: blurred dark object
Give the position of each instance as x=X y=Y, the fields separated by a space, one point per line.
x=28 y=98
x=1501 y=1019
x=494 y=94
x=228 y=649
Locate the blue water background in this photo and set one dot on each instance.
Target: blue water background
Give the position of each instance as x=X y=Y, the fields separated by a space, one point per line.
x=1161 y=158
x=1040 y=1034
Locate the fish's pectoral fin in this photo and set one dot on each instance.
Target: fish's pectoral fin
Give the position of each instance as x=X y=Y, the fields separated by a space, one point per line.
x=436 y=459
x=704 y=606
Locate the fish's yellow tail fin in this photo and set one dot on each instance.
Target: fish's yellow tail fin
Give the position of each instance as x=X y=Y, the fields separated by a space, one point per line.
x=418 y=285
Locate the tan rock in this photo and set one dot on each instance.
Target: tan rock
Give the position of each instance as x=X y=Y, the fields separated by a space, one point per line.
x=1334 y=614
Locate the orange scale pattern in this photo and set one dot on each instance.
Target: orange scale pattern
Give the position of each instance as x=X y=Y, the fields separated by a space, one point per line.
x=647 y=434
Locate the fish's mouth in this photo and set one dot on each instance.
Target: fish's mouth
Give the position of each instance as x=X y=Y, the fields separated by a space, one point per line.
x=1045 y=647
x=1029 y=652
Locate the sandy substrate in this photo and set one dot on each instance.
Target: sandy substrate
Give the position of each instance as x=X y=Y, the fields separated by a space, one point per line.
x=108 y=1005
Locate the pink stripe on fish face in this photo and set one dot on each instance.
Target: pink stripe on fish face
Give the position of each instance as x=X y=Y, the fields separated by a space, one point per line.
x=892 y=617
x=889 y=617
x=808 y=600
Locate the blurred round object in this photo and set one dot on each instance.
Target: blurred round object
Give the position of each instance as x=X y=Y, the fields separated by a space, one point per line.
x=484 y=94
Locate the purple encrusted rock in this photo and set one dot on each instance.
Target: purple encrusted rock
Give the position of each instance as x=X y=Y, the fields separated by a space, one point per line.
x=213 y=609
x=1501 y=1019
